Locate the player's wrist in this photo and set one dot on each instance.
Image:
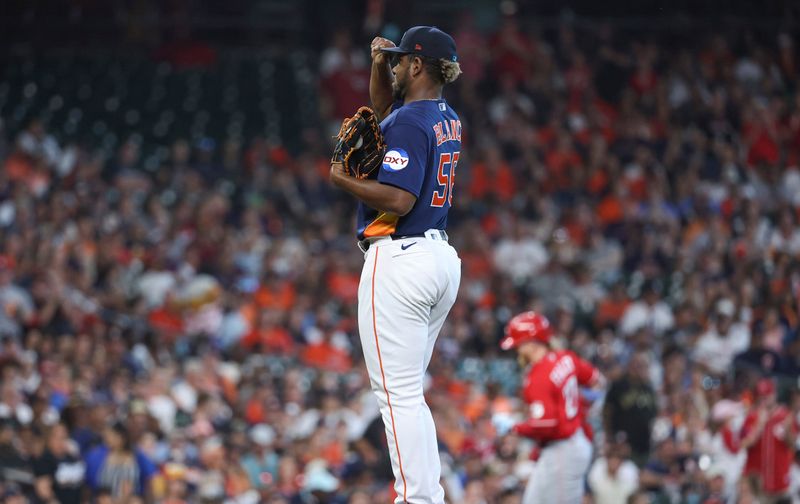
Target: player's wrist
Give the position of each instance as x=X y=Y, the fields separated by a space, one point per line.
x=337 y=173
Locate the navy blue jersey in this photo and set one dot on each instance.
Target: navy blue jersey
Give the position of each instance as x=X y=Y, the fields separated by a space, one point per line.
x=423 y=144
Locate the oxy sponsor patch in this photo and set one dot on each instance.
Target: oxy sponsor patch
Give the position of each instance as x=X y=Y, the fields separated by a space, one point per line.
x=395 y=160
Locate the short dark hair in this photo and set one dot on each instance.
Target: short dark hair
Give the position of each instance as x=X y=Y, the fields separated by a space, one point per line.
x=122 y=431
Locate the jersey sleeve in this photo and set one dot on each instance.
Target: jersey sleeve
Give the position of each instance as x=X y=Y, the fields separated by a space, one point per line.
x=541 y=429
x=542 y=422
x=585 y=372
x=730 y=440
x=747 y=426
x=406 y=157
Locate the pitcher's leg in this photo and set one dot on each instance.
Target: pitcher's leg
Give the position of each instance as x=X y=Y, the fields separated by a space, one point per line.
x=394 y=334
x=433 y=464
x=449 y=265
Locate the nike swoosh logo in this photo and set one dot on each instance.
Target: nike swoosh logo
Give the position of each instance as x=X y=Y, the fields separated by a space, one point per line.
x=408 y=245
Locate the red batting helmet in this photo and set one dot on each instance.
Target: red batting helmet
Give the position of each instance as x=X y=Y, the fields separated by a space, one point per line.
x=528 y=326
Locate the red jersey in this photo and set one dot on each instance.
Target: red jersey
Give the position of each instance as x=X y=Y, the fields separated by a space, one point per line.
x=551 y=392
x=770 y=457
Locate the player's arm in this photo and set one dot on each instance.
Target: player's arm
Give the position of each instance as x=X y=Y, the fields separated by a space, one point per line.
x=380 y=79
x=790 y=430
x=542 y=423
x=731 y=440
x=588 y=375
x=537 y=428
x=396 y=188
x=381 y=197
x=752 y=429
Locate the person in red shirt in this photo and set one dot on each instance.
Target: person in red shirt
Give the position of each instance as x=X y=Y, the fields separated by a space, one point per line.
x=551 y=390
x=768 y=434
x=327 y=356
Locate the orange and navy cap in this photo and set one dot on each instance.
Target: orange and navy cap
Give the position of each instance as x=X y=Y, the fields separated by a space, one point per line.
x=427 y=41
x=528 y=326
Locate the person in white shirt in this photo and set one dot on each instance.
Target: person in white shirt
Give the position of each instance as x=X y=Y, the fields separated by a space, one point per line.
x=649 y=312
x=522 y=255
x=613 y=478
x=727 y=456
x=726 y=338
x=785 y=237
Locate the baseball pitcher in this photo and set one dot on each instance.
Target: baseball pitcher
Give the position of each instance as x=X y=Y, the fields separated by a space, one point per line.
x=402 y=172
x=551 y=390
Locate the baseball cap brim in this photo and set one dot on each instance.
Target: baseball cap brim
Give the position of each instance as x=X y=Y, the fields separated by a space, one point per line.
x=395 y=50
x=507 y=343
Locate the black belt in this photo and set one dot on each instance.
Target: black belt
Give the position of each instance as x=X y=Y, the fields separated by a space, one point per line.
x=365 y=243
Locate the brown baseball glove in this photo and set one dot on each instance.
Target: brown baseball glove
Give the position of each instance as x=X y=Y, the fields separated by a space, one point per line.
x=360 y=146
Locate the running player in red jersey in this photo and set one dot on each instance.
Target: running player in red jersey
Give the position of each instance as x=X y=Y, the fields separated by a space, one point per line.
x=551 y=390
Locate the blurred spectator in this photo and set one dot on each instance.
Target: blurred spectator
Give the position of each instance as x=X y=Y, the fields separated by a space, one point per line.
x=118 y=467
x=631 y=406
x=520 y=255
x=345 y=72
x=650 y=313
x=614 y=477
x=16 y=305
x=59 y=471
x=769 y=434
x=261 y=462
x=660 y=474
x=342 y=55
x=758 y=360
x=717 y=347
x=727 y=456
x=472 y=48
x=13 y=494
x=38 y=144
x=512 y=51
x=15 y=467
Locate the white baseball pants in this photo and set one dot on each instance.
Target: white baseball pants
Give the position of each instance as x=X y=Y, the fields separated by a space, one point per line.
x=407 y=288
x=558 y=477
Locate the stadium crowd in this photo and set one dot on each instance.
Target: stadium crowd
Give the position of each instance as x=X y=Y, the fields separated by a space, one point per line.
x=190 y=335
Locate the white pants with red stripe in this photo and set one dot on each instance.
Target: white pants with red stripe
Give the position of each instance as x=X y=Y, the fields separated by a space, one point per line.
x=558 y=477
x=407 y=288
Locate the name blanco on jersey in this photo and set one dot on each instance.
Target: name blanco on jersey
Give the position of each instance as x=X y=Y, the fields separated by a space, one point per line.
x=395 y=160
x=447 y=131
x=563 y=368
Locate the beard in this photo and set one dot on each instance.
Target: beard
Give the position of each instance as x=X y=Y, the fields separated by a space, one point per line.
x=399 y=88
x=398 y=92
